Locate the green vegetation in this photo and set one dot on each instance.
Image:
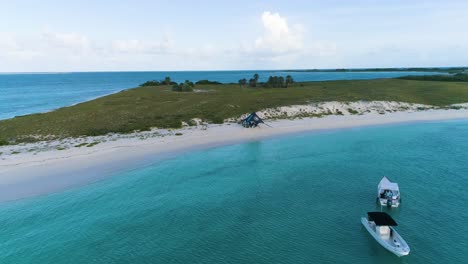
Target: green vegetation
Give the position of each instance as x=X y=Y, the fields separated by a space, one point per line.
x=272 y=82
x=242 y=82
x=186 y=86
x=418 y=69
x=146 y=107
x=459 y=77
x=278 y=82
x=254 y=81
x=150 y=83
x=205 y=82
x=166 y=81
x=81 y=145
x=92 y=144
x=4 y=142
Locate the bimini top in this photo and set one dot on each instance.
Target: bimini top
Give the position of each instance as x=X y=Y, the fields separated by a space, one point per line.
x=253 y=117
x=381 y=219
x=385 y=183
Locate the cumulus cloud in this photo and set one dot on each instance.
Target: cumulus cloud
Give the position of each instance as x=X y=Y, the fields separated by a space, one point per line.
x=279 y=44
x=279 y=37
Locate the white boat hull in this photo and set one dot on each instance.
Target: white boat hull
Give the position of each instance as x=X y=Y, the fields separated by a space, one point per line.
x=394 y=243
x=384 y=202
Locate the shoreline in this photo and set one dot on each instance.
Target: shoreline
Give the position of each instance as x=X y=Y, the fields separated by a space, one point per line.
x=30 y=174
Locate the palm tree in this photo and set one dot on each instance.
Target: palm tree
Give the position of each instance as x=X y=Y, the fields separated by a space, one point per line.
x=242 y=82
x=167 y=80
x=289 y=80
x=253 y=82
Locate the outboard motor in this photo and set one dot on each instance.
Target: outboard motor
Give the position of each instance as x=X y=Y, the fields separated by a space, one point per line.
x=389 y=202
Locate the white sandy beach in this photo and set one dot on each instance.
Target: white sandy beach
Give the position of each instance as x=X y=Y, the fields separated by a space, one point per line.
x=27 y=173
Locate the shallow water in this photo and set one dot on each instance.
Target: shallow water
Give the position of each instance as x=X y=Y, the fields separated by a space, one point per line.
x=295 y=199
x=22 y=94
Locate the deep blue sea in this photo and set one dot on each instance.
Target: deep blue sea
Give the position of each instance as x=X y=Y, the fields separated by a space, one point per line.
x=22 y=94
x=293 y=199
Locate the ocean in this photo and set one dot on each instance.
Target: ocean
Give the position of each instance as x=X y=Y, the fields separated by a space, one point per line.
x=291 y=199
x=27 y=93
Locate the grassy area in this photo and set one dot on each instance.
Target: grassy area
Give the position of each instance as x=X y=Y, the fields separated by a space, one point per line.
x=417 y=69
x=145 y=107
x=459 y=77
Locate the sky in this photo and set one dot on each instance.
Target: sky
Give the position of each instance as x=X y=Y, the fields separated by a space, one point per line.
x=144 y=35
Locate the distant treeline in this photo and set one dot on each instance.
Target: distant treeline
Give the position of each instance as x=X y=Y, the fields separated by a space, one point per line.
x=419 y=69
x=187 y=86
x=459 y=77
x=168 y=81
x=272 y=82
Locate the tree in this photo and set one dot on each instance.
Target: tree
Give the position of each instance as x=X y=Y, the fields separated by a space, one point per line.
x=289 y=80
x=280 y=82
x=275 y=82
x=253 y=82
x=176 y=88
x=242 y=82
x=167 y=80
x=186 y=86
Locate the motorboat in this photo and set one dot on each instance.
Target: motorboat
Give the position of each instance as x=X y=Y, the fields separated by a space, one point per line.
x=388 y=193
x=381 y=226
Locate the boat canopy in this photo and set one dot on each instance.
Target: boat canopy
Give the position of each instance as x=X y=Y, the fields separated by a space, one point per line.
x=386 y=184
x=252 y=120
x=381 y=219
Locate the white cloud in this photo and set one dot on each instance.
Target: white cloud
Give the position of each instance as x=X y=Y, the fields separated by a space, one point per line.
x=144 y=47
x=279 y=37
x=279 y=45
x=71 y=41
x=12 y=48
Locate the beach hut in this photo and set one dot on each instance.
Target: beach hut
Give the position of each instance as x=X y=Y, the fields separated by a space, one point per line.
x=252 y=120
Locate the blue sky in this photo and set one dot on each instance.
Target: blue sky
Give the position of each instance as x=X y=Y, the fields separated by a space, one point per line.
x=216 y=35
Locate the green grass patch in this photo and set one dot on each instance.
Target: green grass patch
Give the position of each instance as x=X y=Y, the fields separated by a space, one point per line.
x=81 y=145
x=459 y=77
x=92 y=144
x=142 y=108
x=178 y=134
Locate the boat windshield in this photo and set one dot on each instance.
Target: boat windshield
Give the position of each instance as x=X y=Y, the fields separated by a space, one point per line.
x=388 y=194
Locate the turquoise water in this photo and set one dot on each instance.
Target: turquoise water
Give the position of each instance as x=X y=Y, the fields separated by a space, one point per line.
x=295 y=199
x=22 y=94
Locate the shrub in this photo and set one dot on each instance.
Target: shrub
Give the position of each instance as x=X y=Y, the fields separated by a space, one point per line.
x=187 y=86
x=4 y=142
x=150 y=83
x=459 y=77
x=207 y=82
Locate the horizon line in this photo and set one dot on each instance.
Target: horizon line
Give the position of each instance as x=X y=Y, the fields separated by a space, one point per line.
x=284 y=69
